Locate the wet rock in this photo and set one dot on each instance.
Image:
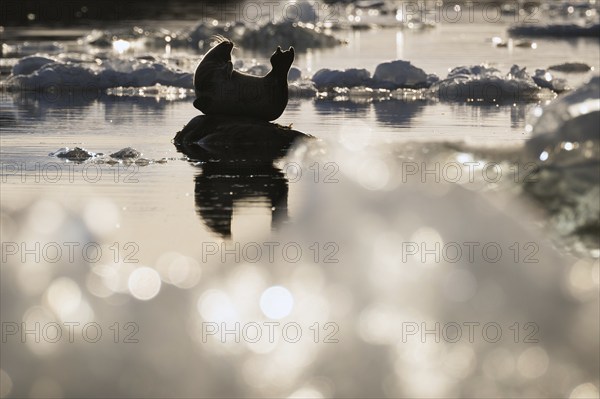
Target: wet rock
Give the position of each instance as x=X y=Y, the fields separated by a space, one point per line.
x=126 y=153
x=73 y=154
x=234 y=138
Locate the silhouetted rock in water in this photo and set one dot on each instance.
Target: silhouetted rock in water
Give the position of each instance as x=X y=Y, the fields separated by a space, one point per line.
x=237 y=157
x=227 y=138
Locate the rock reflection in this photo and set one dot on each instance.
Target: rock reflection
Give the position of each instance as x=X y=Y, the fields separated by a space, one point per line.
x=235 y=156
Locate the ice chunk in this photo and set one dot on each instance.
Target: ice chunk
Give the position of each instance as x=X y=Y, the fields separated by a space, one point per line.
x=327 y=78
x=258 y=70
x=571 y=67
x=557 y=30
x=294 y=74
x=566 y=146
x=401 y=74
x=27 y=65
x=302 y=89
x=266 y=37
x=486 y=84
x=571 y=118
x=297 y=34
x=113 y=73
x=547 y=80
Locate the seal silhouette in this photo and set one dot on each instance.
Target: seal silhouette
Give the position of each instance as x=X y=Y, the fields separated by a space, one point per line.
x=221 y=90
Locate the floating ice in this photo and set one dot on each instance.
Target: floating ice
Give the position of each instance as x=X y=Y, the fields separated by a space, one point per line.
x=327 y=78
x=20 y=49
x=302 y=89
x=566 y=145
x=487 y=84
x=546 y=80
x=388 y=75
x=301 y=36
x=559 y=30
x=110 y=73
x=258 y=70
x=401 y=74
x=297 y=34
x=571 y=67
x=294 y=74
x=30 y=64
x=572 y=118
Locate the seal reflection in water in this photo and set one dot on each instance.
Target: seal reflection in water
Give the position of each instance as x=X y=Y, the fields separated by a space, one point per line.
x=220 y=90
x=236 y=156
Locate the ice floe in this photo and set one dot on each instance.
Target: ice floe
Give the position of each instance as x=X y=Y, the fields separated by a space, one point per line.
x=300 y=35
x=37 y=74
x=30 y=64
x=327 y=78
x=388 y=75
x=149 y=75
x=571 y=67
x=566 y=146
x=402 y=74
x=481 y=83
x=560 y=30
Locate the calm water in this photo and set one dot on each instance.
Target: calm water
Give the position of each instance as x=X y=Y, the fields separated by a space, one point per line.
x=169 y=212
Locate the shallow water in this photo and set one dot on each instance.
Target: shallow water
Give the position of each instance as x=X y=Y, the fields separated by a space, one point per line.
x=343 y=194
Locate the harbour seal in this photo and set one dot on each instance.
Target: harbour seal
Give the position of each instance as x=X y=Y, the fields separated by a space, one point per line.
x=221 y=90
